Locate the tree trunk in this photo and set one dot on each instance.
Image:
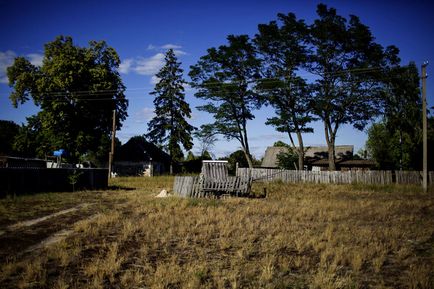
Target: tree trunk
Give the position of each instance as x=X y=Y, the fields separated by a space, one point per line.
x=245 y=145
x=331 y=152
x=330 y=138
x=248 y=158
x=300 y=151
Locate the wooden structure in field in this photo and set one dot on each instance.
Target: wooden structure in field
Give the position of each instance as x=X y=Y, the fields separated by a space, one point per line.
x=213 y=181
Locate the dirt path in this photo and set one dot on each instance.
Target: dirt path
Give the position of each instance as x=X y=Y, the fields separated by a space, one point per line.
x=38 y=233
x=32 y=222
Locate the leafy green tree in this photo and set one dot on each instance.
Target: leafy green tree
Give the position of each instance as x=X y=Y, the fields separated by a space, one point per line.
x=190 y=156
x=286 y=160
x=169 y=126
x=8 y=131
x=284 y=51
x=348 y=64
x=76 y=88
x=403 y=105
x=396 y=142
x=394 y=149
x=234 y=158
x=224 y=78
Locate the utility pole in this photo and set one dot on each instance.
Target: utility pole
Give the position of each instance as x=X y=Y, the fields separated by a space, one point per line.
x=112 y=150
x=425 y=128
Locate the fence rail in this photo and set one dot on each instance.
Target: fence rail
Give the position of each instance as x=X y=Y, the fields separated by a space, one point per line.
x=335 y=177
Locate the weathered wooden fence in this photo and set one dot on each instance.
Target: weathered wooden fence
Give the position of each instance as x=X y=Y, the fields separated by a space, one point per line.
x=195 y=187
x=335 y=177
x=187 y=186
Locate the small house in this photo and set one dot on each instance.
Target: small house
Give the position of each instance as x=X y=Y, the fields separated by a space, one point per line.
x=138 y=157
x=316 y=158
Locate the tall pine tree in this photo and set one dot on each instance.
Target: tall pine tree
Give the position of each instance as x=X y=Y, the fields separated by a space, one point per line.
x=169 y=127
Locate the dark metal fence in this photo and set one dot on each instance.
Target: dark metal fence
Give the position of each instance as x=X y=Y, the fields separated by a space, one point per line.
x=32 y=180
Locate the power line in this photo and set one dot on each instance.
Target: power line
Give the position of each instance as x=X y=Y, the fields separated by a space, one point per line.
x=95 y=93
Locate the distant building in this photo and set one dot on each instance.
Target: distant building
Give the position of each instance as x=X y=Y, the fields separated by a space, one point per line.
x=312 y=153
x=316 y=158
x=139 y=157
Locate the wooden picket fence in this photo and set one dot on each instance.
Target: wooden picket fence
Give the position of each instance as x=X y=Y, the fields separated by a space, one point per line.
x=335 y=177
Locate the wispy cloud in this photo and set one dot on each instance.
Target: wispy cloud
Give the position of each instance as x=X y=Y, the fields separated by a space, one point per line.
x=35 y=59
x=179 y=52
x=151 y=47
x=171 y=46
x=154 y=79
x=126 y=65
x=144 y=115
x=149 y=66
x=6 y=60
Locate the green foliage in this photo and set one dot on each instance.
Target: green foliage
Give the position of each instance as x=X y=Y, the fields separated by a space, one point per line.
x=234 y=158
x=286 y=160
x=348 y=64
x=385 y=147
x=223 y=77
x=240 y=158
x=280 y=143
x=8 y=131
x=169 y=126
x=73 y=178
x=396 y=149
x=396 y=142
x=76 y=88
x=402 y=98
x=283 y=48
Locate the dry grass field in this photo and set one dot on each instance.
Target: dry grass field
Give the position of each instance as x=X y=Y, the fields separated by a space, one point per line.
x=299 y=236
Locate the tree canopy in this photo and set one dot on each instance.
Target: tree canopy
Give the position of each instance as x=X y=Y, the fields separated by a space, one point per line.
x=224 y=77
x=283 y=48
x=169 y=127
x=8 y=131
x=396 y=141
x=76 y=89
x=348 y=64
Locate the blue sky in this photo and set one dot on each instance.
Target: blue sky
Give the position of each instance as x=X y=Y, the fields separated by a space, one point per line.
x=141 y=31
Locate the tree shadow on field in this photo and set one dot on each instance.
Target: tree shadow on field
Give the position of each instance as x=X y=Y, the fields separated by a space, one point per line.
x=119 y=188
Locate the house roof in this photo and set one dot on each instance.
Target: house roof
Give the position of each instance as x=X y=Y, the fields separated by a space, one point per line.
x=270 y=157
x=137 y=149
x=315 y=152
x=344 y=163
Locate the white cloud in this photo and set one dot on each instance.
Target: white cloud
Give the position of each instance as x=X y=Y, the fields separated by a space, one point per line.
x=6 y=60
x=179 y=52
x=126 y=65
x=171 y=46
x=154 y=79
x=145 y=115
x=35 y=59
x=149 y=66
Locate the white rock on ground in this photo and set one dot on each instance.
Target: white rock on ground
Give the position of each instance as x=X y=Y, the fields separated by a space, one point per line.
x=163 y=194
